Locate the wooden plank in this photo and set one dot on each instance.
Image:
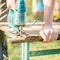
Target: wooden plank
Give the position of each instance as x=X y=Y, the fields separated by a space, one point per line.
x=29 y=23
x=31 y=33
x=25 y=39
x=33 y=38
x=5 y=28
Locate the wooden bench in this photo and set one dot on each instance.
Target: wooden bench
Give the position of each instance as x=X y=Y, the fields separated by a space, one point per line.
x=30 y=34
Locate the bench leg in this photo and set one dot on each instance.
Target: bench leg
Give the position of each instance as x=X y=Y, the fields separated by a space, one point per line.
x=25 y=51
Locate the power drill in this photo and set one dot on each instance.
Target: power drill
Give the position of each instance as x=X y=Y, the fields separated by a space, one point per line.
x=16 y=18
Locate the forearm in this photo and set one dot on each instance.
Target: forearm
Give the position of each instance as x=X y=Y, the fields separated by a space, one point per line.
x=48 y=11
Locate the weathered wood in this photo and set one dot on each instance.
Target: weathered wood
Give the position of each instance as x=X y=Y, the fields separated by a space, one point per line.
x=29 y=26
x=25 y=39
x=31 y=33
x=29 y=23
x=33 y=38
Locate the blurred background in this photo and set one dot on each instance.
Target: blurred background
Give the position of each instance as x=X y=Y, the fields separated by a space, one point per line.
x=29 y=13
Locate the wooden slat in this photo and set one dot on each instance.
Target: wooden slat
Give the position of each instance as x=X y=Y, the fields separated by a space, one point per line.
x=29 y=38
x=33 y=38
x=29 y=23
x=29 y=26
x=32 y=33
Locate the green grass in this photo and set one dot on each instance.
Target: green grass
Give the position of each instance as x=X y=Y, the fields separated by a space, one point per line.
x=14 y=50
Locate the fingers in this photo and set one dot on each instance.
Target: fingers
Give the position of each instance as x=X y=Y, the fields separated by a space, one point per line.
x=48 y=35
x=43 y=35
x=52 y=36
x=56 y=35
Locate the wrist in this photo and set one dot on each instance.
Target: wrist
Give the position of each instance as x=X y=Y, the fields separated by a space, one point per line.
x=47 y=24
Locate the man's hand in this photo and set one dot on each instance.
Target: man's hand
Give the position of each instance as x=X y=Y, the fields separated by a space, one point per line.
x=11 y=4
x=48 y=33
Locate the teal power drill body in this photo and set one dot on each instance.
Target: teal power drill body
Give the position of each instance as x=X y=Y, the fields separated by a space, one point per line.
x=16 y=18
